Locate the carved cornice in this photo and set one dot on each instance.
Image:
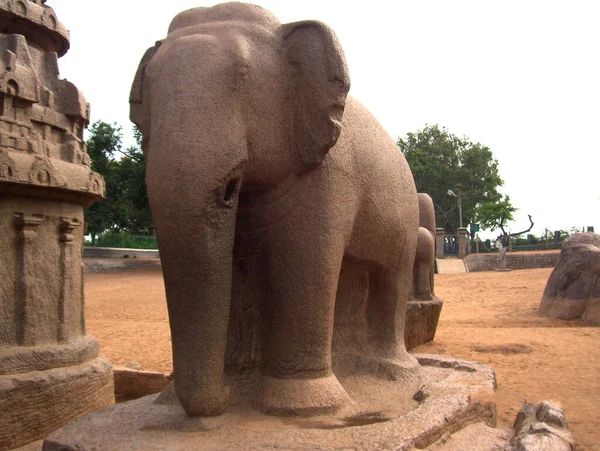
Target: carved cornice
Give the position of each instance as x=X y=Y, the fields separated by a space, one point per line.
x=37 y=22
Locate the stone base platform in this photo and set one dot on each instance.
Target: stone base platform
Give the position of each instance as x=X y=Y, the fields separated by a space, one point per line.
x=35 y=403
x=453 y=395
x=421 y=322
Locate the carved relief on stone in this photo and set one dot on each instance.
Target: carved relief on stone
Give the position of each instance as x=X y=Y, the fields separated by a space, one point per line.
x=44 y=167
x=49 y=19
x=19 y=77
x=8 y=170
x=66 y=237
x=96 y=184
x=43 y=172
x=27 y=226
x=52 y=35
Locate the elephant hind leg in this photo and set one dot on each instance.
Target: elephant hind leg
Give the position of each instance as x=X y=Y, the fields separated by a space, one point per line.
x=423 y=267
x=385 y=316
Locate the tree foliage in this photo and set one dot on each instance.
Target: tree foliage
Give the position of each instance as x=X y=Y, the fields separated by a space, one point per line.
x=441 y=161
x=126 y=205
x=493 y=215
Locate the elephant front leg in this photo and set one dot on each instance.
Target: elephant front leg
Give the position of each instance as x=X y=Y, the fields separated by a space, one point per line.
x=299 y=284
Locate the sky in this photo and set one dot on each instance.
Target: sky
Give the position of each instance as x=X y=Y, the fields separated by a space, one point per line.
x=521 y=77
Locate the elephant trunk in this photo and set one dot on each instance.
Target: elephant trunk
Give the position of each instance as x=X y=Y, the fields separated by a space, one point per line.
x=195 y=225
x=197 y=276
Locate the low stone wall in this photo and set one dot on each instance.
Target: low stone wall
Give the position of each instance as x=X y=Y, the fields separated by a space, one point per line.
x=108 y=265
x=115 y=252
x=514 y=260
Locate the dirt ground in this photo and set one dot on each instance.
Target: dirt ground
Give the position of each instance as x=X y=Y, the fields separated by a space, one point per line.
x=489 y=317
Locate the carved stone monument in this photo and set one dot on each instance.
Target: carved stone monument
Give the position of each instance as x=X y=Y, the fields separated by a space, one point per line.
x=424 y=307
x=287 y=223
x=573 y=289
x=50 y=371
x=266 y=181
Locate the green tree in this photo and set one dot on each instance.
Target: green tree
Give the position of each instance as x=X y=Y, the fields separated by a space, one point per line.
x=126 y=205
x=493 y=215
x=103 y=142
x=441 y=161
x=131 y=175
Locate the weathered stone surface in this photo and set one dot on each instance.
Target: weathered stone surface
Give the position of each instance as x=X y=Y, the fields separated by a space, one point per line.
x=542 y=427
x=50 y=371
x=265 y=180
x=550 y=413
x=132 y=383
x=474 y=437
x=109 y=265
x=514 y=260
x=542 y=442
x=134 y=366
x=91 y=252
x=573 y=289
x=423 y=308
x=421 y=322
x=447 y=403
x=423 y=284
x=34 y=404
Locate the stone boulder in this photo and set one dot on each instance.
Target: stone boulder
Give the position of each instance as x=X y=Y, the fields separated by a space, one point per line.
x=133 y=383
x=540 y=427
x=573 y=289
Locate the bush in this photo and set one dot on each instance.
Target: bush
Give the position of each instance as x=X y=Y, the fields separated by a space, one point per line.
x=124 y=240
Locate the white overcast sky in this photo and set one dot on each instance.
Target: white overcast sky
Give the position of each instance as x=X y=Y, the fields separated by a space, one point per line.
x=522 y=77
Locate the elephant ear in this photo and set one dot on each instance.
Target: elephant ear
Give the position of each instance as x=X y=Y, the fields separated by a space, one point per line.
x=139 y=112
x=319 y=88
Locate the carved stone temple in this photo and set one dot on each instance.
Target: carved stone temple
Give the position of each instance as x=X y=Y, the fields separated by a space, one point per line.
x=50 y=370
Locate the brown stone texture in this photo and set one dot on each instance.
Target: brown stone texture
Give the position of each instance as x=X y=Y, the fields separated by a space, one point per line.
x=514 y=260
x=423 y=308
x=423 y=269
x=106 y=265
x=286 y=218
x=541 y=427
x=50 y=371
x=474 y=437
x=573 y=289
x=36 y=403
x=421 y=322
x=447 y=402
x=133 y=383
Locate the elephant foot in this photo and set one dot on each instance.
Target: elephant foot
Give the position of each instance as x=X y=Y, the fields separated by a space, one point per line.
x=404 y=368
x=202 y=402
x=300 y=397
x=427 y=296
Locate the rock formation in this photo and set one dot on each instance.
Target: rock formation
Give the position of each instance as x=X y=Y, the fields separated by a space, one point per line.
x=542 y=426
x=50 y=371
x=573 y=289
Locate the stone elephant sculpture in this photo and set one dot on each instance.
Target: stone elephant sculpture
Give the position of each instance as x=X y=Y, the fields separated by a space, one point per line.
x=264 y=178
x=422 y=286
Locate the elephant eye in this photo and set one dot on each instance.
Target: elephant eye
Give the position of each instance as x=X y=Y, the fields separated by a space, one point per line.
x=231 y=190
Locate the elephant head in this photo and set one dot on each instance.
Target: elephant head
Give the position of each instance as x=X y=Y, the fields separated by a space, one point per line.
x=229 y=104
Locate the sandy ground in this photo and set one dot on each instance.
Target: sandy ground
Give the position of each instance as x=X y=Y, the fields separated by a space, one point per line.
x=487 y=317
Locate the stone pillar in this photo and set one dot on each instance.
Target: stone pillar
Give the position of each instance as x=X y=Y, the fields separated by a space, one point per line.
x=50 y=370
x=463 y=242
x=439 y=242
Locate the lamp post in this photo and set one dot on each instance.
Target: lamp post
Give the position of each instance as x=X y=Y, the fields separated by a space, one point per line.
x=459 y=197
